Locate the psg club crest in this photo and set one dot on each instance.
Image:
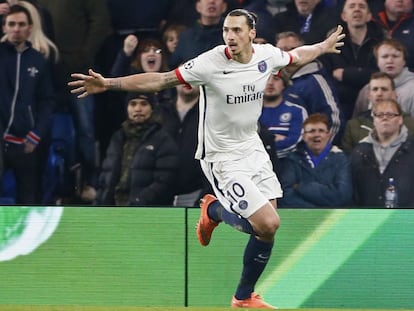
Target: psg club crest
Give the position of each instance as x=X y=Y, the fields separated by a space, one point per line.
x=262 y=66
x=243 y=204
x=189 y=64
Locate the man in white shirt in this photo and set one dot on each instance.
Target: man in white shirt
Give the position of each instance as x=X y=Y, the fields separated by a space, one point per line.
x=232 y=79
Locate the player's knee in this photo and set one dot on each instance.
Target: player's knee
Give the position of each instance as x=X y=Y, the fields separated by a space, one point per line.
x=269 y=227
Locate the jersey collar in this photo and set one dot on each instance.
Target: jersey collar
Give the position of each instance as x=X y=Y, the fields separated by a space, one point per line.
x=228 y=54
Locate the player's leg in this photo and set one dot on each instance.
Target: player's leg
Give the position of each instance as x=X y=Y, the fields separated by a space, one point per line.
x=247 y=189
x=212 y=211
x=265 y=222
x=218 y=213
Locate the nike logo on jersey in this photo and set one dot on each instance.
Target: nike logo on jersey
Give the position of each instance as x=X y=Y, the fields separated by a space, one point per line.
x=225 y=72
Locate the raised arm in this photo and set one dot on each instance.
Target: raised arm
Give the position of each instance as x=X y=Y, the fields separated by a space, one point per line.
x=94 y=82
x=307 y=53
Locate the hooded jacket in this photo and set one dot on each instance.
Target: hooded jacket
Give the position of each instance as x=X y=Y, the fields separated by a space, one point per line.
x=313 y=90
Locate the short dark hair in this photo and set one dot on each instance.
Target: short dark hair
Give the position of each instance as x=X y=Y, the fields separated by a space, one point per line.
x=382 y=75
x=251 y=18
x=14 y=9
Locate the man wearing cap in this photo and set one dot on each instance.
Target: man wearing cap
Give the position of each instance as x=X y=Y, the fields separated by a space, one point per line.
x=141 y=159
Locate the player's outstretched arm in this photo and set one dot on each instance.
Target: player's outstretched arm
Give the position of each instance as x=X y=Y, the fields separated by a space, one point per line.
x=94 y=82
x=307 y=53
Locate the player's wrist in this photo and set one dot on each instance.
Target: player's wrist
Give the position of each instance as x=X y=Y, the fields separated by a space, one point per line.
x=113 y=84
x=322 y=47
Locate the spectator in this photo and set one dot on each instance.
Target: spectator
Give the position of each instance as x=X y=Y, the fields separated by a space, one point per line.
x=180 y=119
x=352 y=68
x=183 y=11
x=317 y=173
x=135 y=57
x=78 y=43
x=141 y=160
x=42 y=43
x=282 y=118
x=311 y=88
x=38 y=38
x=145 y=56
x=391 y=57
x=381 y=87
x=45 y=18
x=170 y=38
x=26 y=104
x=203 y=35
x=311 y=19
x=397 y=20
x=388 y=151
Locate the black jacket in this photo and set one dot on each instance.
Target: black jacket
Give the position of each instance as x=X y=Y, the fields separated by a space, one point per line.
x=369 y=184
x=189 y=174
x=151 y=169
x=358 y=63
x=196 y=40
x=26 y=97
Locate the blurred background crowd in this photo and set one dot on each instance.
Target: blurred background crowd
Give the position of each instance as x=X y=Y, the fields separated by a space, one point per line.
x=338 y=130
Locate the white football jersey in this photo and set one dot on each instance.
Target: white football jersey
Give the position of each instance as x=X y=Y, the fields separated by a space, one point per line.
x=231 y=95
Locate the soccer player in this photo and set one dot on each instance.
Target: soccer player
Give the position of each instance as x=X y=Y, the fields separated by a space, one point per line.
x=232 y=78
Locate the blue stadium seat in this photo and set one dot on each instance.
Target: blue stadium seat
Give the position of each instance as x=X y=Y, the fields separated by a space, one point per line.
x=8 y=194
x=58 y=179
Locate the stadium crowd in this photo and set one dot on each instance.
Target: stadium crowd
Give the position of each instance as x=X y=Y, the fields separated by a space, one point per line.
x=336 y=129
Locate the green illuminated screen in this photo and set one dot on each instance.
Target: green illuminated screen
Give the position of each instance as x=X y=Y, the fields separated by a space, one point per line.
x=151 y=257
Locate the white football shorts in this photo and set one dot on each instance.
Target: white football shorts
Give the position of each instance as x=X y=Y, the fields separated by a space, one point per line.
x=245 y=185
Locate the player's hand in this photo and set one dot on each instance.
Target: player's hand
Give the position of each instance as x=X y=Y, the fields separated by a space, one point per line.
x=85 y=85
x=333 y=42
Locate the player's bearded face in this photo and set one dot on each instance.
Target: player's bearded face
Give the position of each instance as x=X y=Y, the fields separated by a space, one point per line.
x=237 y=35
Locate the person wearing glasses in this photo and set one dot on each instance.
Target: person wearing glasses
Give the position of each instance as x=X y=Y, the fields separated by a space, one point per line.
x=381 y=86
x=317 y=173
x=135 y=56
x=232 y=79
x=138 y=56
x=387 y=152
